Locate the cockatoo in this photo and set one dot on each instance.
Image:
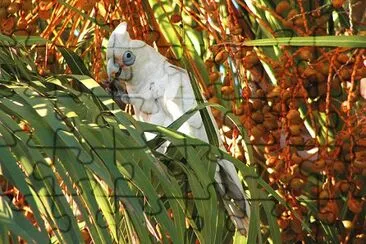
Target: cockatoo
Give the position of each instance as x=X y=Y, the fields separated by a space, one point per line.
x=160 y=93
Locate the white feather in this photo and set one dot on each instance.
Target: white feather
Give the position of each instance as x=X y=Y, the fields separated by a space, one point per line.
x=160 y=93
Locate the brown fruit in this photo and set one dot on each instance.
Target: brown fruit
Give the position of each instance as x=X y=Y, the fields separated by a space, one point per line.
x=8 y=24
x=320 y=78
x=297 y=140
x=322 y=216
x=343 y=58
x=292 y=13
x=295 y=130
x=359 y=239
x=243 y=119
x=299 y=22
x=44 y=14
x=323 y=68
x=266 y=108
x=221 y=56
x=277 y=107
x=322 y=89
x=306 y=167
x=344 y=73
x=293 y=116
x=296 y=159
x=296 y=226
x=236 y=30
x=216 y=113
x=297 y=184
x=360 y=159
x=361 y=164
x=257 y=117
x=339 y=167
x=31 y=29
x=322 y=20
x=279 y=209
x=214 y=100
x=283 y=223
x=238 y=110
x=27 y=5
x=258 y=131
x=214 y=76
x=227 y=80
x=354 y=205
x=22 y=24
x=336 y=85
x=288 y=236
x=323 y=198
x=227 y=90
x=337 y=3
x=344 y=186
x=250 y=60
x=287 y=23
x=85 y=234
x=257 y=104
x=275 y=92
x=260 y=94
x=13 y=8
x=319 y=165
x=286 y=178
x=361 y=72
x=282 y=7
x=238 y=55
x=305 y=54
x=209 y=63
x=86 y=5
x=175 y=18
x=327 y=216
x=270 y=124
x=309 y=72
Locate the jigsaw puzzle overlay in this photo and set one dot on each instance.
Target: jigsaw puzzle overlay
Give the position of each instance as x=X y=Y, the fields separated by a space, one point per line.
x=197 y=161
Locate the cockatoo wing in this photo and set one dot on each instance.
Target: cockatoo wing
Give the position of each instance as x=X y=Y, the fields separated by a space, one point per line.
x=179 y=97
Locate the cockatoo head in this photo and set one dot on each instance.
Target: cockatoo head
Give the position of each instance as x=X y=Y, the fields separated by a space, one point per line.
x=128 y=60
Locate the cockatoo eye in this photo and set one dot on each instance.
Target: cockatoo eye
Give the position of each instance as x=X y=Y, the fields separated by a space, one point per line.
x=128 y=58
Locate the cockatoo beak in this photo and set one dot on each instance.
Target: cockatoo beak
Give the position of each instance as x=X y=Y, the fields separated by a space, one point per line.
x=113 y=70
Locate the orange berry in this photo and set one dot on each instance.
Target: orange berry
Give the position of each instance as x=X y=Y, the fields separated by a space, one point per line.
x=44 y=14
x=297 y=184
x=27 y=5
x=282 y=7
x=337 y=3
x=221 y=56
x=227 y=90
x=13 y=8
x=176 y=18
x=8 y=24
x=22 y=24
x=250 y=60
x=354 y=205
x=214 y=76
x=293 y=116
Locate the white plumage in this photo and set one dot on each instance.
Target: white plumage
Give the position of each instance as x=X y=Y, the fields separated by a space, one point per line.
x=160 y=93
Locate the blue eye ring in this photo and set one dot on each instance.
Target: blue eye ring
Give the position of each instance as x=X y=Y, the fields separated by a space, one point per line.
x=128 y=58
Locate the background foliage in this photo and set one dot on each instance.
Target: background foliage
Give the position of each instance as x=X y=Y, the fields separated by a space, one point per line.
x=288 y=75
